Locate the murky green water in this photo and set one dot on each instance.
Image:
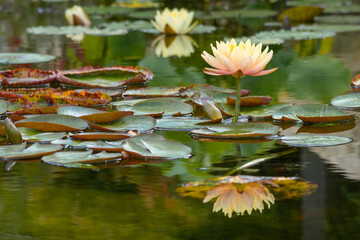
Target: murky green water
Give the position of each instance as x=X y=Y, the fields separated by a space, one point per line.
x=40 y=201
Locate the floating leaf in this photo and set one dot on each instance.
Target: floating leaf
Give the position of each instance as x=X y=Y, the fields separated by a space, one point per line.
x=4 y=105
x=105 y=32
x=53 y=123
x=311 y=113
x=105 y=10
x=238 y=13
x=301 y=13
x=22 y=92
x=13 y=135
x=294 y=34
x=156 y=148
x=100 y=136
x=26 y=77
x=55 y=30
x=12 y=152
x=108 y=77
x=179 y=123
x=237 y=130
x=347 y=101
x=262 y=111
x=168 y=107
x=79 y=157
x=140 y=123
x=199 y=29
x=153 y=92
x=110 y=92
x=92 y=115
x=249 y=101
x=22 y=58
x=326 y=28
x=30 y=134
x=335 y=19
x=313 y=140
x=193 y=88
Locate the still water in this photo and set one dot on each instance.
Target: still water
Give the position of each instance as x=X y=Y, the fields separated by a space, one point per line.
x=40 y=201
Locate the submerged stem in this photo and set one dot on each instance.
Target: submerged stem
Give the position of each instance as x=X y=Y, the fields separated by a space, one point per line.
x=238 y=100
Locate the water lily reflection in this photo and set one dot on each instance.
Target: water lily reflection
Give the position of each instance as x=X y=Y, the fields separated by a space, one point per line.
x=176 y=45
x=229 y=200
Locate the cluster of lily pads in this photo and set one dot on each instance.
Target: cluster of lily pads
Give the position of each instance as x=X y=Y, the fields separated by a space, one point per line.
x=101 y=115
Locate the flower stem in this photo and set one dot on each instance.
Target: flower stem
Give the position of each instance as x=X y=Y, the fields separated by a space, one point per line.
x=238 y=100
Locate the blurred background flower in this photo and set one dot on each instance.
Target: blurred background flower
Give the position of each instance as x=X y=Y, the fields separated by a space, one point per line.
x=77 y=16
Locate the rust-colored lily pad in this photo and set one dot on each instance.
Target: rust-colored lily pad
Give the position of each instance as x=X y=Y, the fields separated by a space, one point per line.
x=250 y=101
x=100 y=136
x=53 y=123
x=108 y=77
x=24 y=77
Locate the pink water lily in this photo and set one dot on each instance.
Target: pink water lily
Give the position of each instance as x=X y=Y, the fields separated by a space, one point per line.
x=230 y=57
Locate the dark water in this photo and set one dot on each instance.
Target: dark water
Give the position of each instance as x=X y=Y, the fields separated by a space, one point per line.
x=40 y=201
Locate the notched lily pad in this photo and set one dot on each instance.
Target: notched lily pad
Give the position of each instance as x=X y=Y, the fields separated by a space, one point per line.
x=237 y=130
x=108 y=77
x=30 y=134
x=348 y=101
x=168 y=107
x=65 y=157
x=180 y=123
x=139 y=123
x=153 y=92
x=262 y=111
x=314 y=140
x=18 y=152
x=151 y=147
x=22 y=58
x=54 y=123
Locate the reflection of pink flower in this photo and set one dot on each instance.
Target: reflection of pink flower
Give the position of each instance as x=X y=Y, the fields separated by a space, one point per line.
x=230 y=199
x=229 y=58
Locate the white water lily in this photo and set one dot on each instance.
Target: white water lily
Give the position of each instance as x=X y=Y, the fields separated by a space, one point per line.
x=180 y=46
x=174 y=21
x=77 y=16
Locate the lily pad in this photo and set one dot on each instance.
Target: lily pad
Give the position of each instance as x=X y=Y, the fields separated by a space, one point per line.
x=105 y=32
x=238 y=13
x=157 y=149
x=139 y=123
x=335 y=19
x=311 y=113
x=237 y=130
x=13 y=135
x=108 y=77
x=100 y=136
x=26 y=77
x=314 y=140
x=199 y=29
x=262 y=111
x=250 y=101
x=4 y=105
x=106 y=10
x=294 y=34
x=22 y=58
x=347 y=101
x=30 y=134
x=327 y=28
x=17 y=152
x=127 y=25
x=55 y=30
x=168 y=107
x=153 y=92
x=180 y=123
x=53 y=123
x=193 y=88
x=79 y=157
x=92 y=115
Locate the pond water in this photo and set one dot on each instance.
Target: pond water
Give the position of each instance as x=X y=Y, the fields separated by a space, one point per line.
x=41 y=201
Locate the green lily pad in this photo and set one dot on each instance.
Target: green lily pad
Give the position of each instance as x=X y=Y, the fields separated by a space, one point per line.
x=153 y=92
x=22 y=58
x=106 y=10
x=238 y=13
x=317 y=2
x=262 y=111
x=237 y=130
x=91 y=114
x=65 y=157
x=12 y=152
x=347 y=101
x=168 y=107
x=342 y=9
x=314 y=140
x=127 y=25
x=105 y=32
x=4 y=105
x=335 y=19
x=157 y=149
x=54 y=123
x=55 y=30
x=180 y=123
x=200 y=28
x=326 y=28
x=193 y=88
x=311 y=113
x=30 y=134
x=140 y=123
x=72 y=143
x=294 y=34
